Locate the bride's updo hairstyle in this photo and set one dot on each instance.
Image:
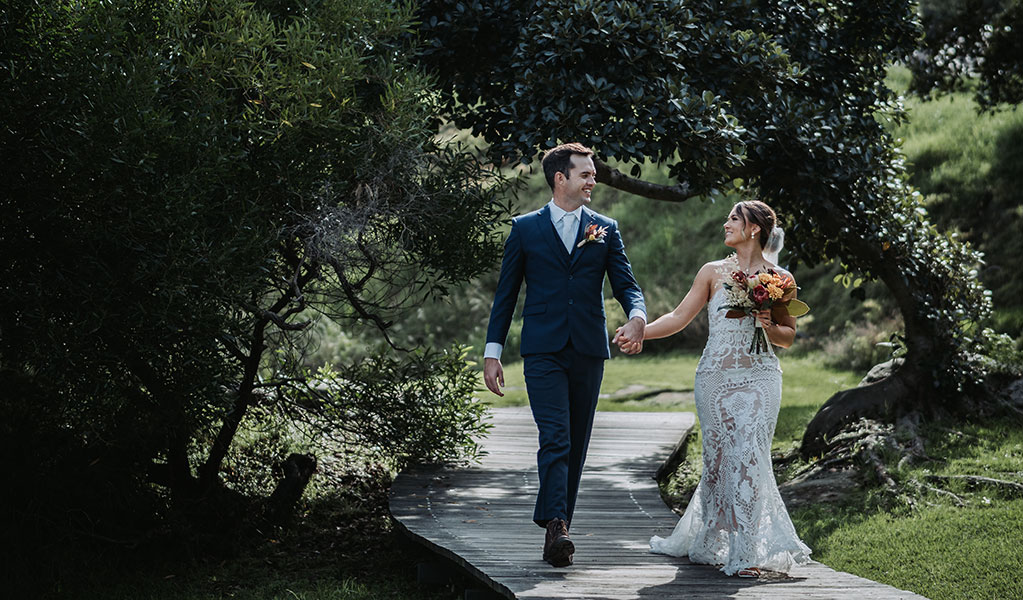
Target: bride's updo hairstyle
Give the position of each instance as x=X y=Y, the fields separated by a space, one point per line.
x=758 y=213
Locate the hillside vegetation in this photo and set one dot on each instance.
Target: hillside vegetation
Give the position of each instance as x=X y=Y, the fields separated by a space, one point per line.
x=967 y=166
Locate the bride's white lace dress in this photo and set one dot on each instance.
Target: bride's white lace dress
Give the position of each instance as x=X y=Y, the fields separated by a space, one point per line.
x=736 y=517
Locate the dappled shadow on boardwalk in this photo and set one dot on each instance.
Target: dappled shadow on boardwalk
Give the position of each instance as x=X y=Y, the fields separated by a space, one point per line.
x=698 y=582
x=480 y=518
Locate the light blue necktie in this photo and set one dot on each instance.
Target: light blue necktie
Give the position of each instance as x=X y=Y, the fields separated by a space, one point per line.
x=568 y=231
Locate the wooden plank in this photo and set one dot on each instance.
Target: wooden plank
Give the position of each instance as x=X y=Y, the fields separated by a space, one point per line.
x=479 y=517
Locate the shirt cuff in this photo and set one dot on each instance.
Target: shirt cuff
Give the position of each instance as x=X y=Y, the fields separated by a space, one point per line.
x=493 y=350
x=637 y=312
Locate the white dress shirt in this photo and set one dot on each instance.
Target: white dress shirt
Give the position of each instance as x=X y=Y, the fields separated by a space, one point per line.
x=493 y=349
x=559 y=216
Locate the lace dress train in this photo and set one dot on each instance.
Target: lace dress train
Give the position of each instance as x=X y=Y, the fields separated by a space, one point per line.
x=736 y=517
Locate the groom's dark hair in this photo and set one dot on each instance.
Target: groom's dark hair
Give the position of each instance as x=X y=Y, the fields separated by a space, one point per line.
x=559 y=159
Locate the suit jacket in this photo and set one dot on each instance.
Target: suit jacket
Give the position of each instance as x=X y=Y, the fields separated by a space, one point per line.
x=564 y=294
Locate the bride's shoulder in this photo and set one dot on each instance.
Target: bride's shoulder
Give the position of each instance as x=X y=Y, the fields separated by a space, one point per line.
x=726 y=262
x=716 y=271
x=722 y=267
x=712 y=269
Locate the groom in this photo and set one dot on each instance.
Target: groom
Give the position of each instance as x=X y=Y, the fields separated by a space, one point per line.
x=562 y=252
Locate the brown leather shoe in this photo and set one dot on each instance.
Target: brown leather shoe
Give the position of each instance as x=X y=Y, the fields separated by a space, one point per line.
x=558 y=548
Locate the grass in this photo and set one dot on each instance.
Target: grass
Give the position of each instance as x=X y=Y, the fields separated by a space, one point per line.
x=941 y=552
x=618 y=390
x=937 y=549
x=253 y=582
x=342 y=546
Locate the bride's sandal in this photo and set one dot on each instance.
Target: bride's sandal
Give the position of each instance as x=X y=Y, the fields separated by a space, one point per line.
x=749 y=573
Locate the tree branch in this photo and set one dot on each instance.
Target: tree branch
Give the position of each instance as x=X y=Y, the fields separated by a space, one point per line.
x=232 y=348
x=282 y=323
x=679 y=192
x=923 y=486
x=209 y=471
x=356 y=304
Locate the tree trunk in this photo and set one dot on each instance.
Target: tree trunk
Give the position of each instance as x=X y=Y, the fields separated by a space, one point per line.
x=927 y=350
x=209 y=473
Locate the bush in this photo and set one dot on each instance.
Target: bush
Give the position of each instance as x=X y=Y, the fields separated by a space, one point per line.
x=860 y=346
x=188 y=185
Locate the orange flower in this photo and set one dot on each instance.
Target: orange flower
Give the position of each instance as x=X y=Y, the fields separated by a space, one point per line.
x=593 y=234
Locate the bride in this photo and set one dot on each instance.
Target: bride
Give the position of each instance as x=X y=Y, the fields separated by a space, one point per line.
x=736 y=518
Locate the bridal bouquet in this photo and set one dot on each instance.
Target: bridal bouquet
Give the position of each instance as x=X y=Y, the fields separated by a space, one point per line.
x=760 y=291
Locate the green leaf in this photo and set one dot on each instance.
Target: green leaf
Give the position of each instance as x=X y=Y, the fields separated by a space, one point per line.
x=797 y=308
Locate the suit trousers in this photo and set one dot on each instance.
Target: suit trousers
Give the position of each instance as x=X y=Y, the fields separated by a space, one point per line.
x=563 y=387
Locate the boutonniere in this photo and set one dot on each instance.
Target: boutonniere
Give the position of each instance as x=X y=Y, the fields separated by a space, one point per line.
x=593 y=234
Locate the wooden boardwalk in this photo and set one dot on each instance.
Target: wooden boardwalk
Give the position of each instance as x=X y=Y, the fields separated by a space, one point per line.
x=481 y=518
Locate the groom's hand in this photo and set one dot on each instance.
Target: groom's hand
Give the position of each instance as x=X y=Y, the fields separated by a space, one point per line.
x=629 y=337
x=493 y=374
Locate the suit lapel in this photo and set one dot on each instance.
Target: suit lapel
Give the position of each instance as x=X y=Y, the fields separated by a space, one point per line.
x=547 y=231
x=586 y=220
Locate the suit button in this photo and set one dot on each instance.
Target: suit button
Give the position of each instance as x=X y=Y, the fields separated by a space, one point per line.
x=570 y=301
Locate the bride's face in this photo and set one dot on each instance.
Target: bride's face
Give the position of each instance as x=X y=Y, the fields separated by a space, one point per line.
x=736 y=229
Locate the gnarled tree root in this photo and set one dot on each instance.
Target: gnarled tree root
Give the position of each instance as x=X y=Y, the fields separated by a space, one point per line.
x=882 y=400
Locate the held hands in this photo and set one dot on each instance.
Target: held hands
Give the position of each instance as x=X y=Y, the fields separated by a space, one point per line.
x=629 y=337
x=493 y=374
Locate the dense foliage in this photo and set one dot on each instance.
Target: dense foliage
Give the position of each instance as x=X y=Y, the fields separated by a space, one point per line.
x=787 y=96
x=969 y=42
x=187 y=186
x=627 y=76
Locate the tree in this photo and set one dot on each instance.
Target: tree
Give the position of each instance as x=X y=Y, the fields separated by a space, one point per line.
x=966 y=40
x=782 y=96
x=188 y=185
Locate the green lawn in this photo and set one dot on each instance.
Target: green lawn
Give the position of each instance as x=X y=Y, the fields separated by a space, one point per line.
x=941 y=552
x=622 y=376
x=937 y=549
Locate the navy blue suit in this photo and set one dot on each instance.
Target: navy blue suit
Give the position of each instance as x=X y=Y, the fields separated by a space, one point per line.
x=564 y=339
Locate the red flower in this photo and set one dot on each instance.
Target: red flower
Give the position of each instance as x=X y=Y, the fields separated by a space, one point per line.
x=760 y=295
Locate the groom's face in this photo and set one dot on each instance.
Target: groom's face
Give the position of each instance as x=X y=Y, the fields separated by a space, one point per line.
x=582 y=177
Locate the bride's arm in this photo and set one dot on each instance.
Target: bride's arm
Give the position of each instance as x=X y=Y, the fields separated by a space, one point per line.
x=687 y=310
x=779 y=325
